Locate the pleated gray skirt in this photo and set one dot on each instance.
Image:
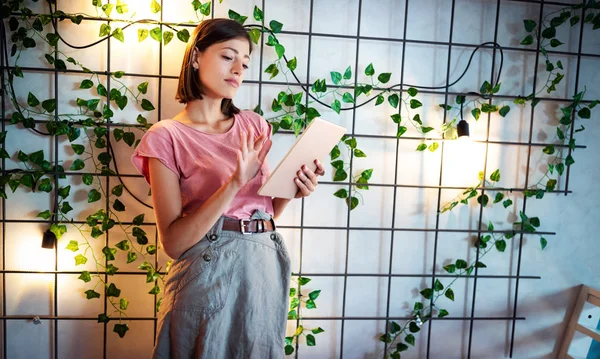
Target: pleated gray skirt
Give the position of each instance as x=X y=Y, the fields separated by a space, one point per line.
x=226 y=297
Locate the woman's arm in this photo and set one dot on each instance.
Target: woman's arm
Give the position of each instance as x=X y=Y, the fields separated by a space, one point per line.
x=279 y=205
x=178 y=234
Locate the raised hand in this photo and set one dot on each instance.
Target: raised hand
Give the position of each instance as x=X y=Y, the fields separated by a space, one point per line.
x=250 y=156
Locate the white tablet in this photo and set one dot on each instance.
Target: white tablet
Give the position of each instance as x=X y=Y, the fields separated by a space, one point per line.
x=315 y=143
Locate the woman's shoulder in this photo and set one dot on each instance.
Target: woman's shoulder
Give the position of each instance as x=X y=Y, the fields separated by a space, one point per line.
x=163 y=127
x=253 y=119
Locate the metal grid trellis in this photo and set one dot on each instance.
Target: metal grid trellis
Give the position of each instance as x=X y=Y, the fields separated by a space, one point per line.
x=437 y=230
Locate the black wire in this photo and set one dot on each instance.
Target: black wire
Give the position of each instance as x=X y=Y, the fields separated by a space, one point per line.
x=119 y=176
x=495 y=44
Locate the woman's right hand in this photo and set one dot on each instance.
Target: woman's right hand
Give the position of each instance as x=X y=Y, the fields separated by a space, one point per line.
x=250 y=157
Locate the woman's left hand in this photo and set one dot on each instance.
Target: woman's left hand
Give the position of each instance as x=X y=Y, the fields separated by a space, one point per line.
x=307 y=180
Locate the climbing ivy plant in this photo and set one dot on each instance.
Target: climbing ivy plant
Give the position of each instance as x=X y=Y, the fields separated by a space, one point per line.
x=292 y=111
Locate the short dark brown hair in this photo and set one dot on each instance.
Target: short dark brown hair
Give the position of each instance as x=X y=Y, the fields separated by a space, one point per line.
x=207 y=33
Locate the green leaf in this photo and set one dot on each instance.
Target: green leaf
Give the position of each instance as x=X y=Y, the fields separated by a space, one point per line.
x=65 y=208
x=413 y=327
x=118 y=34
x=427 y=293
x=348 y=73
x=112 y=291
x=401 y=131
x=543 y=242
x=258 y=14
x=154 y=290
x=123 y=304
x=393 y=99
x=569 y=160
x=500 y=245
x=449 y=294
x=438 y=286
x=142 y=34
x=528 y=40
x=303 y=280
x=118 y=206
x=156 y=34
x=443 y=313
x=504 y=111
x=85 y=276
x=111 y=269
x=292 y=64
x=77 y=165
x=529 y=25
x=483 y=199
x=415 y=103
x=476 y=112
x=87 y=179
x=154 y=6
x=384 y=77
x=352 y=202
x=104 y=30
x=336 y=106
x=121 y=329
x=434 y=146
x=584 y=113
x=90 y=294
x=359 y=153
x=555 y=43
x=347 y=98
x=289 y=350
x=342 y=193
x=370 y=71
x=32 y=100
x=94 y=196
x=167 y=36
x=422 y=147
x=495 y=176
x=379 y=100
x=336 y=77
x=450 y=268
x=461 y=264
x=147 y=105
x=131 y=257
x=549 y=32
x=275 y=26
x=184 y=35
x=86 y=84
x=80 y=259
x=412 y=91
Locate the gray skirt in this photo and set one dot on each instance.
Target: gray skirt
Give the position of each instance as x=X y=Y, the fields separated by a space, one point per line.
x=226 y=297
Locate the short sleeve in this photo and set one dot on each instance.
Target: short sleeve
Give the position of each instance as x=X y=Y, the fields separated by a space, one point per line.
x=156 y=146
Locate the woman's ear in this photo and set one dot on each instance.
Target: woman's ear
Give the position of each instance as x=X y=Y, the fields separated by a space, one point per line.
x=195 y=59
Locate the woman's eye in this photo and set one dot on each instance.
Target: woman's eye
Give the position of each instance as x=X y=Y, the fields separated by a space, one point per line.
x=227 y=58
x=245 y=67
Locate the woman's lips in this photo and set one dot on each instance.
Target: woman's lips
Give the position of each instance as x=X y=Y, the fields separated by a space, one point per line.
x=233 y=83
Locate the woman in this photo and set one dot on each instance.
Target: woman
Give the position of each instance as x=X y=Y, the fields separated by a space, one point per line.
x=226 y=295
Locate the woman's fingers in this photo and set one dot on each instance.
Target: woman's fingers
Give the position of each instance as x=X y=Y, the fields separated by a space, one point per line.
x=244 y=144
x=308 y=175
x=320 y=171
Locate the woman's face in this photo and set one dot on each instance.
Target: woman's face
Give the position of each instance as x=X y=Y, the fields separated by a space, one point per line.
x=222 y=66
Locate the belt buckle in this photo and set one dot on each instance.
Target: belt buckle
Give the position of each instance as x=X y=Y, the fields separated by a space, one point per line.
x=243 y=230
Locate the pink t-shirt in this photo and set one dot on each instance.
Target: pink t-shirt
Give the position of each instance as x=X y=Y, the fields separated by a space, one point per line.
x=203 y=162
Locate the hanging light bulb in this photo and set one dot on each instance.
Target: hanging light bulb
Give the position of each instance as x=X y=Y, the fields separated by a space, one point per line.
x=49 y=239
x=462 y=129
